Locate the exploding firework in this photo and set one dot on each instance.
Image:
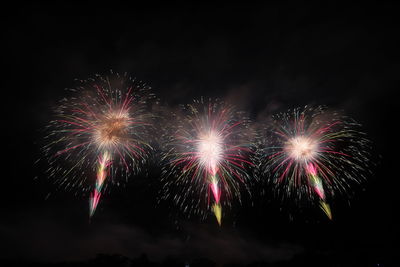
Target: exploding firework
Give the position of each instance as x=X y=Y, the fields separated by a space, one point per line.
x=314 y=153
x=207 y=159
x=99 y=134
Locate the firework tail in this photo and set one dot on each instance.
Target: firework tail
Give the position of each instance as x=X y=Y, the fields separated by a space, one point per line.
x=327 y=210
x=102 y=172
x=316 y=184
x=216 y=207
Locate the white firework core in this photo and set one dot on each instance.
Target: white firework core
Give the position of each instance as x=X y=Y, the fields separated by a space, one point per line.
x=301 y=148
x=111 y=130
x=210 y=151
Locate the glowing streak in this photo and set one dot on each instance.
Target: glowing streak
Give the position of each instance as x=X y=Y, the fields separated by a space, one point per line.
x=102 y=171
x=217 y=209
x=215 y=188
x=316 y=182
x=325 y=207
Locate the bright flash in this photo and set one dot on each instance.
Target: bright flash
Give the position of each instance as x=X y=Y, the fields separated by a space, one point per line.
x=210 y=151
x=111 y=130
x=301 y=148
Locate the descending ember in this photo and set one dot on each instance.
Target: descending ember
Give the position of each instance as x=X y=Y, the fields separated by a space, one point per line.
x=315 y=153
x=105 y=125
x=207 y=155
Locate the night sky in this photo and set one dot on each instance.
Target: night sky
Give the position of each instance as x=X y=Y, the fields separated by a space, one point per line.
x=262 y=59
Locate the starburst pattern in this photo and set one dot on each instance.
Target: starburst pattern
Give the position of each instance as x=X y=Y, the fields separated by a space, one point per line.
x=102 y=128
x=314 y=153
x=207 y=158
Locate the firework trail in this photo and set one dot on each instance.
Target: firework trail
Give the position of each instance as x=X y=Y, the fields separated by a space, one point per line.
x=207 y=155
x=315 y=153
x=102 y=128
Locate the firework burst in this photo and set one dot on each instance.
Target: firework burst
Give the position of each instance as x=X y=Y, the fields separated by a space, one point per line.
x=314 y=153
x=99 y=134
x=206 y=159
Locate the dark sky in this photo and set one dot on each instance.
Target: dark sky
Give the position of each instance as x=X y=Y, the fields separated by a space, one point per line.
x=263 y=59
